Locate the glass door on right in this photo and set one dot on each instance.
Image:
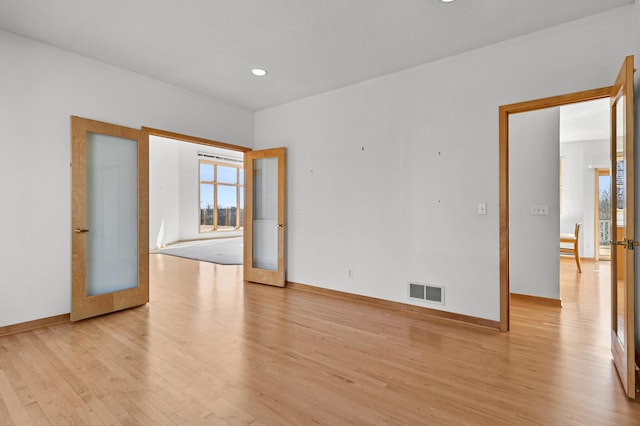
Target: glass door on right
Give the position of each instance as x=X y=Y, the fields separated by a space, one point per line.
x=264 y=227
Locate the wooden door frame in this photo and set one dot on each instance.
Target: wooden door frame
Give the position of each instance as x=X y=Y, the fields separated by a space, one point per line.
x=149 y=131
x=503 y=118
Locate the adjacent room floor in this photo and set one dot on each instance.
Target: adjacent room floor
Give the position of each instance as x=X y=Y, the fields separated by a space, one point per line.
x=210 y=349
x=225 y=251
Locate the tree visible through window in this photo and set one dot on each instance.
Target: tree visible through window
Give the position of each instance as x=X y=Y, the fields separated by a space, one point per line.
x=221 y=196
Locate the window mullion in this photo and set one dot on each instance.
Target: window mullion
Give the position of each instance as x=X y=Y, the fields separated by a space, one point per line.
x=215 y=197
x=238 y=198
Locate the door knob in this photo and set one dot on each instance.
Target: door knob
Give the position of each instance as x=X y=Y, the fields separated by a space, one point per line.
x=629 y=244
x=80 y=231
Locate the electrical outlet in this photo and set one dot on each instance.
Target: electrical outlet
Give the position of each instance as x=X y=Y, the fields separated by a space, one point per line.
x=350 y=273
x=539 y=210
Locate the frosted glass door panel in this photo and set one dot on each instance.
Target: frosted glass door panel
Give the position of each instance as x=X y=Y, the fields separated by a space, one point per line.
x=112 y=214
x=265 y=217
x=621 y=192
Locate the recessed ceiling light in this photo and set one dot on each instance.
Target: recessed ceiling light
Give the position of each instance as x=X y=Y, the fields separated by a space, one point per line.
x=259 y=72
x=446 y=1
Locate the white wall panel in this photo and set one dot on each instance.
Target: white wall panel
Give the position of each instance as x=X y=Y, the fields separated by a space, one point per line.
x=385 y=176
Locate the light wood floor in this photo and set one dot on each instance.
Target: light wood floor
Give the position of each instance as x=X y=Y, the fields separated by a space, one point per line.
x=210 y=350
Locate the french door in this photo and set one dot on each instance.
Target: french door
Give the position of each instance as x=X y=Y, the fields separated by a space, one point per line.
x=265 y=225
x=109 y=218
x=622 y=225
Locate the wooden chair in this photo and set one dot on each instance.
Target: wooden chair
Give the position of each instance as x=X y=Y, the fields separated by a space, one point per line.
x=573 y=240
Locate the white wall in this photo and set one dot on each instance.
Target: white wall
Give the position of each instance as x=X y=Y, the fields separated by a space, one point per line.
x=189 y=191
x=404 y=208
x=164 y=191
x=534 y=139
x=42 y=87
x=579 y=161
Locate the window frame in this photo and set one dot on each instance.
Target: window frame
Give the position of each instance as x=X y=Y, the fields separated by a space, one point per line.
x=215 y=184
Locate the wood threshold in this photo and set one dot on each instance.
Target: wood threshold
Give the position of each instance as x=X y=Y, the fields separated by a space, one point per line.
x=547 y=301
x=35 y=324
x=397 y=306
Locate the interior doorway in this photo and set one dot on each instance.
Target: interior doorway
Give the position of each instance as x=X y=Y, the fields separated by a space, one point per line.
x=574 y=141
x=505 y=112
x=585 y=138
x=196 y=198
x=264 y=236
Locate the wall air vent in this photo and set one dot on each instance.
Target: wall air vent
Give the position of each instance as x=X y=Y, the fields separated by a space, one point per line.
x=426 y=292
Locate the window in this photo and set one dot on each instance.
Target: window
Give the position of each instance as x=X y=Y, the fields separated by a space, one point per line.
x=221 y=196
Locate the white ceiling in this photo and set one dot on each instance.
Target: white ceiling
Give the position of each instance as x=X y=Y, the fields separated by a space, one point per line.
x=308 y=46
x=585 y=121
